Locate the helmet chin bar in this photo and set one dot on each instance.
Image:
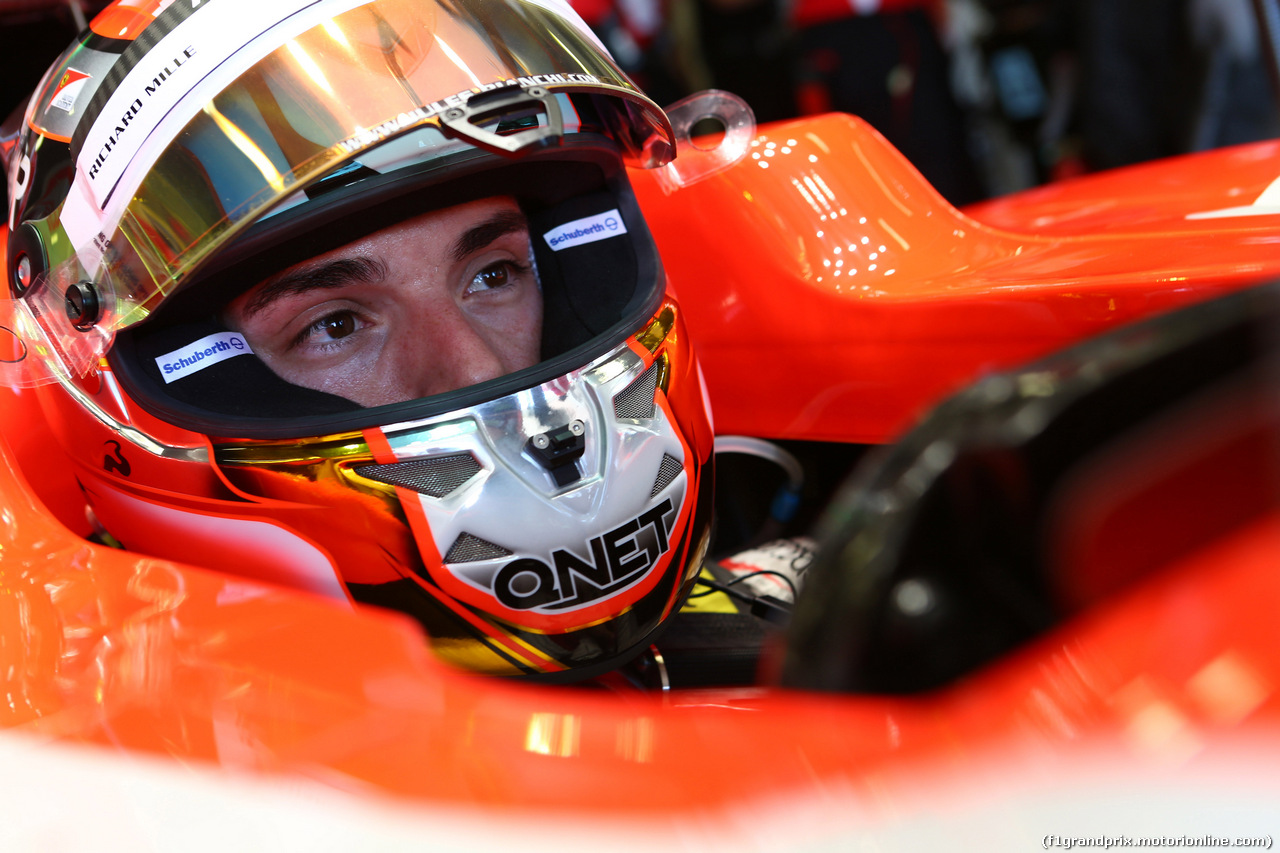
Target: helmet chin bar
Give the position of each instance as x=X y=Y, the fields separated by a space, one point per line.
x=561 y=555
x=543 y=497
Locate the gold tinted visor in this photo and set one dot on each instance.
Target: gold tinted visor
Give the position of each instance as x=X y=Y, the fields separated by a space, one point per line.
x=157 y=193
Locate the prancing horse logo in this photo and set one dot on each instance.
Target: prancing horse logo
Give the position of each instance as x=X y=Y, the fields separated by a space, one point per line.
x=115 y=463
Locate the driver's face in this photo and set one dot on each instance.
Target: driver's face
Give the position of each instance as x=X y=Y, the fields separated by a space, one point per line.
x=433 y=304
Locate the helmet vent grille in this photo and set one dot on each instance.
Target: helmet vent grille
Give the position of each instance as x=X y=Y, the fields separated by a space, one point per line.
x=435 y=476
x=469 y=549
x=667 y=471
x=636 y=400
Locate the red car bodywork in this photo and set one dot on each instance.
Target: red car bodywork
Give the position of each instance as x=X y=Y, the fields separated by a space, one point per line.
x=833 y=296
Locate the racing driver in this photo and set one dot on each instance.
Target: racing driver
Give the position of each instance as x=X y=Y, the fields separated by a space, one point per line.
x=357 y=298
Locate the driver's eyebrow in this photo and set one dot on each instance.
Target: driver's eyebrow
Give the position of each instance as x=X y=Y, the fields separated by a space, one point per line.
x=482 y=234
x=339 y=272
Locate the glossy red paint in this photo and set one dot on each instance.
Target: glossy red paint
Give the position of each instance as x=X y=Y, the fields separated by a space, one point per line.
x=835 y=295
x=129 y=653
x=142 y=656
x=1172 y=196
x=126 y=20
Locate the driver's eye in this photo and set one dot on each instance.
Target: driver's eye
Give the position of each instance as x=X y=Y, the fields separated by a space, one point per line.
x=494 y=276
x=335 y=326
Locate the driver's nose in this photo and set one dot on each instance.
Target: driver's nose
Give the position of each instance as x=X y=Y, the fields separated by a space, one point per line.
x=452 y=353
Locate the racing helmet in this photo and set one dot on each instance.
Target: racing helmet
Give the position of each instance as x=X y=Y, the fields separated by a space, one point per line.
x=543 y=522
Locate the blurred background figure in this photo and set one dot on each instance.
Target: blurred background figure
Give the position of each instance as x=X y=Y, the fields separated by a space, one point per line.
x=884 y=61
x=1164 y=77
x=1137 y=87
x=1057 y=88
x=878 y=59
x=1238 y=100
x=673 y=48
x=642 y=36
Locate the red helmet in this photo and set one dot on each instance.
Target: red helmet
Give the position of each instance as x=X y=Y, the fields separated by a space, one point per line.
x=543 y=519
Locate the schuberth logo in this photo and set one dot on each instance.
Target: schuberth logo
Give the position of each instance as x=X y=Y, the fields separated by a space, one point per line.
x=619 y=558
x=586 y=230
x=203 y=353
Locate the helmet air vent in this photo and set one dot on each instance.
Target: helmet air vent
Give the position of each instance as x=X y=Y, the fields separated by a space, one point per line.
x=471 y=549
x=667 y=471
x=636 y=400
x=434 y=476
